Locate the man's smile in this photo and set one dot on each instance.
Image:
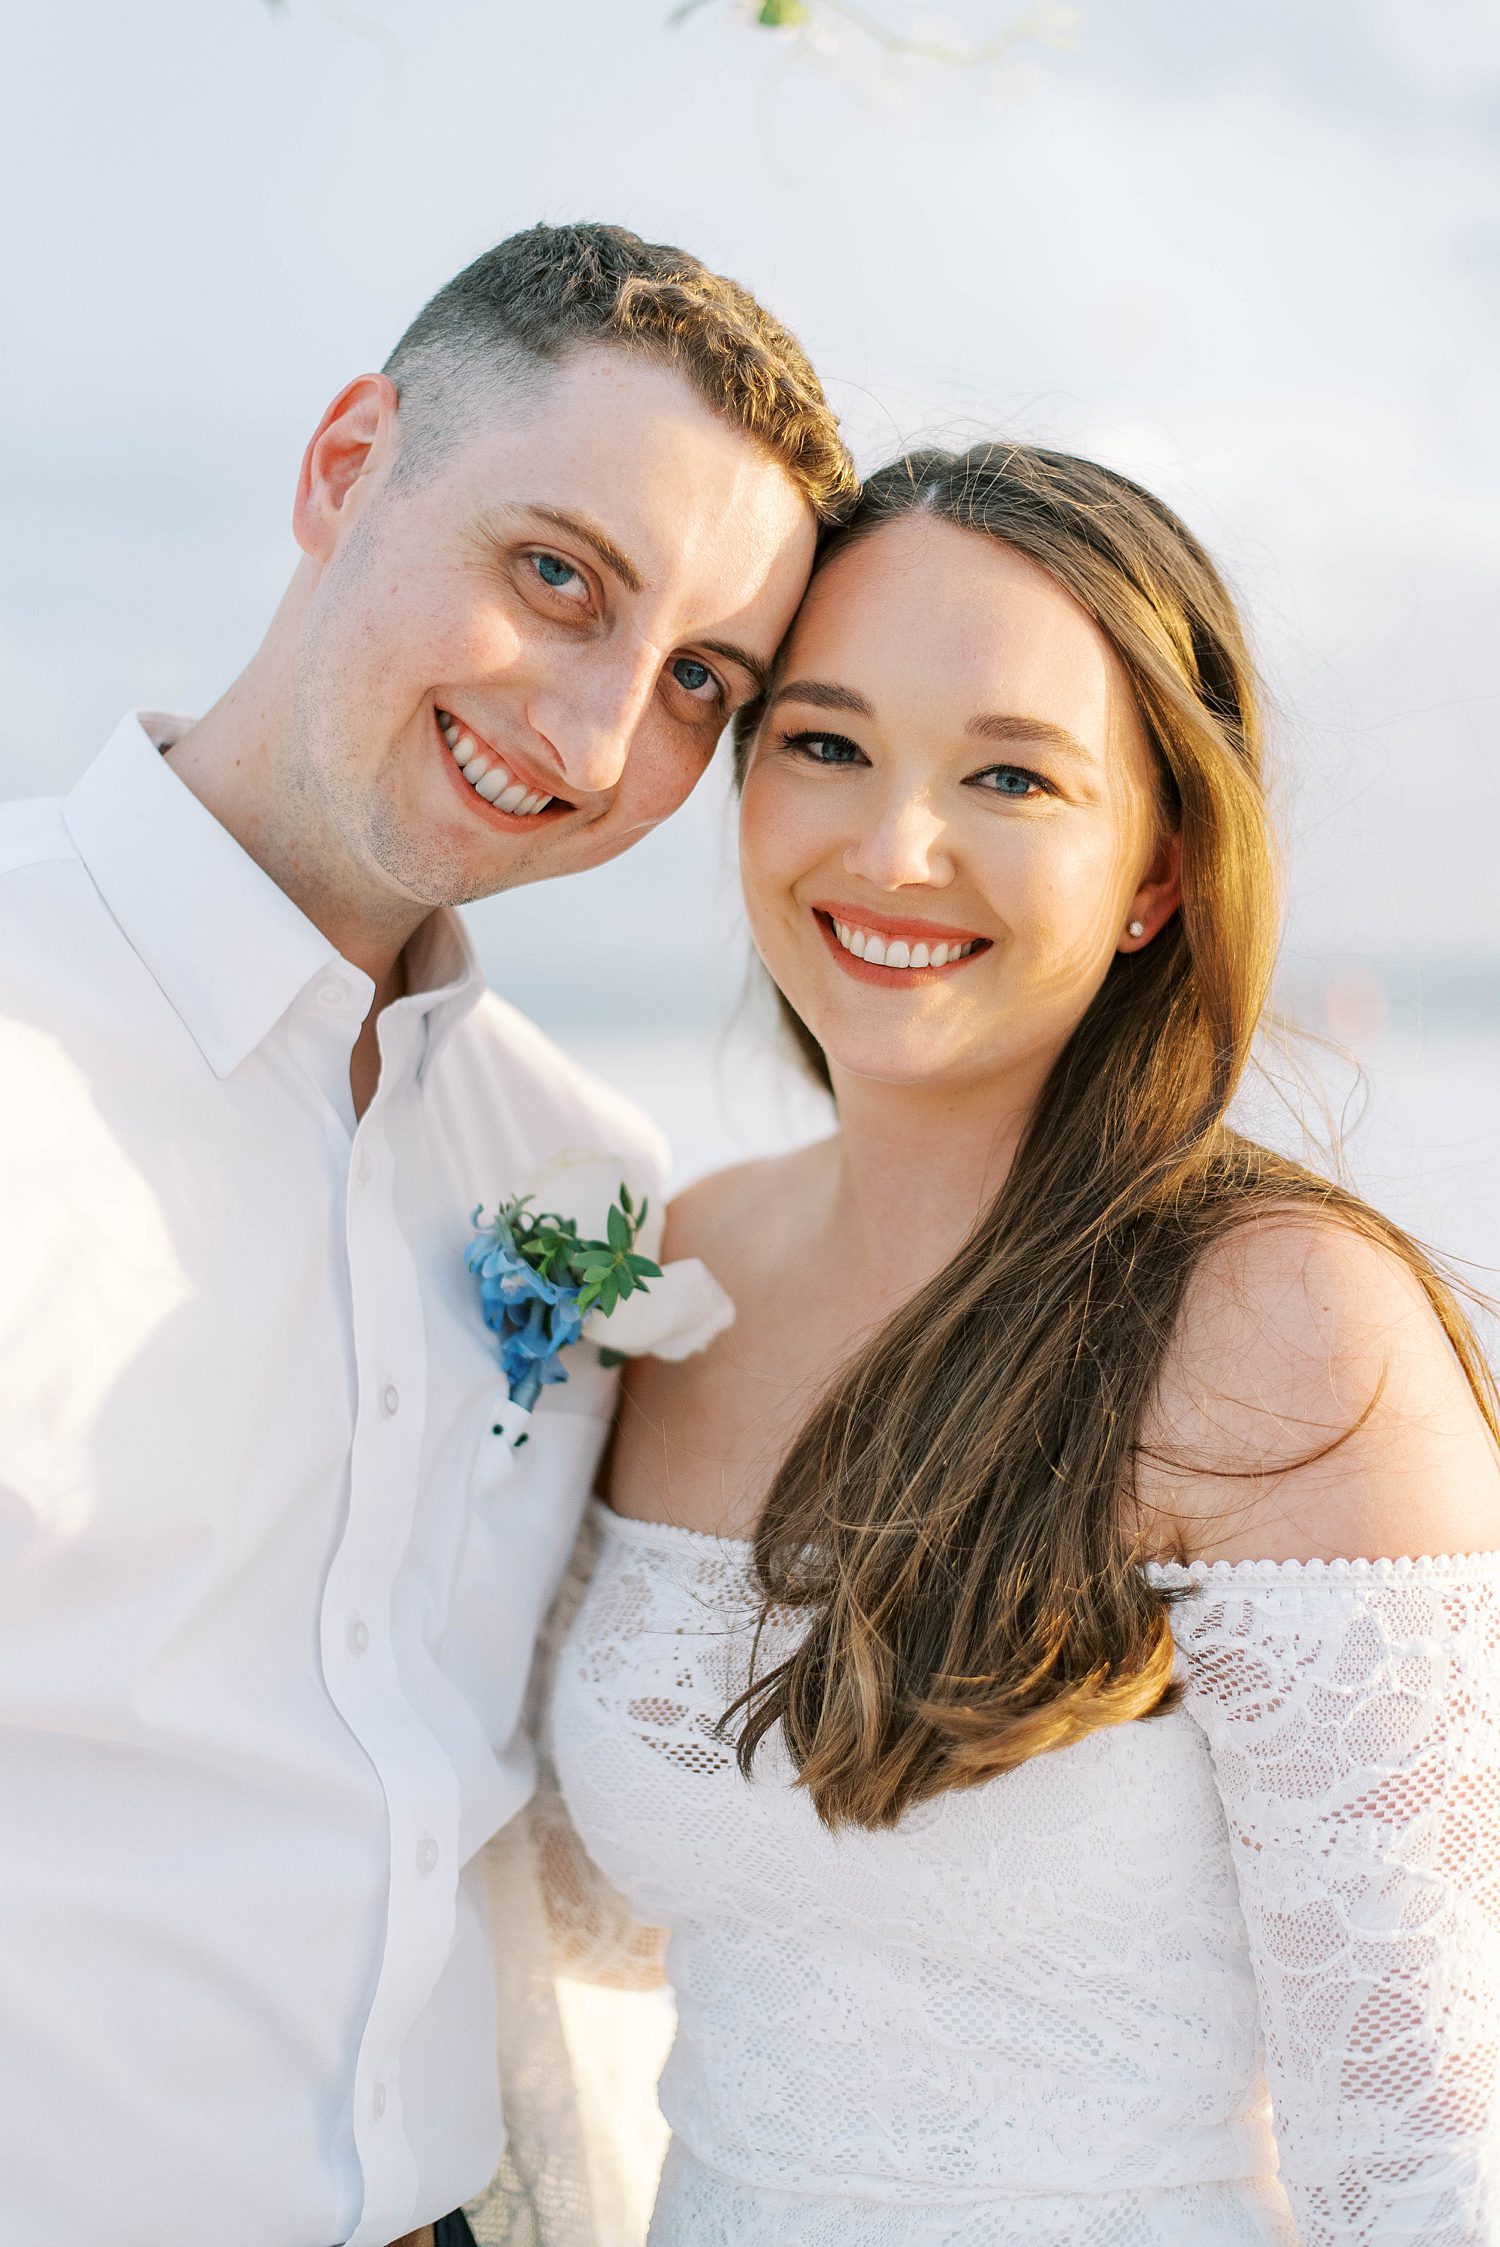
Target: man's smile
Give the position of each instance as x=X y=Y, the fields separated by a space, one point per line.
x=875 y=948
x=489 y=777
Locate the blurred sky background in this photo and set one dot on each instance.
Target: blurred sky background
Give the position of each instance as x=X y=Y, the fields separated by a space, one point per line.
x=1248 y=252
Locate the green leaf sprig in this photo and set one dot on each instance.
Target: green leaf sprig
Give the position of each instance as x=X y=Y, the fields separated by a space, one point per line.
x=602 y=1272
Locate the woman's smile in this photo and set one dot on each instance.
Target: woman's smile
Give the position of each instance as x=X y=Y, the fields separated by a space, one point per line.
x=896 y=954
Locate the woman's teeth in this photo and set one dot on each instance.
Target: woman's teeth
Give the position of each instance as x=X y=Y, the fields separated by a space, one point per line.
x=485 y=773
x=894 y=952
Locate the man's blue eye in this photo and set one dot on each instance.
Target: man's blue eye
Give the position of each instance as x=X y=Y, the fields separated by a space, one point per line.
x=553 y=570
x=689 y=673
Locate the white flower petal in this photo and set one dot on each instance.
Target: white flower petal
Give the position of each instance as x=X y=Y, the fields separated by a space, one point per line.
x=582 y=1185
x=672 y=1317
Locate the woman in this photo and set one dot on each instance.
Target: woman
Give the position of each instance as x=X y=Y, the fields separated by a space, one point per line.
x=1052 y=1406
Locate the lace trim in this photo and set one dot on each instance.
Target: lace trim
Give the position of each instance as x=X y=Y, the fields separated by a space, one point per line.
x=1423 y=1568
x=1401 y=1569
x=633 y=1530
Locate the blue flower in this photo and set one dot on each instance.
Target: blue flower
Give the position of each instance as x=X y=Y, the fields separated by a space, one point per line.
x=538 y=1282
x=533 y=1316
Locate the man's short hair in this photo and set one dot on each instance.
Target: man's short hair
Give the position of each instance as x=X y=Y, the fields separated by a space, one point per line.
x=542 y=295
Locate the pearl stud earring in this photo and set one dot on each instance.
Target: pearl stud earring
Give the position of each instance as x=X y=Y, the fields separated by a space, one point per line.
x=1136 y=928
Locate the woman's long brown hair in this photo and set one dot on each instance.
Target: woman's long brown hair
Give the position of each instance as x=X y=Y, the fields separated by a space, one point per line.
x=953 y=1523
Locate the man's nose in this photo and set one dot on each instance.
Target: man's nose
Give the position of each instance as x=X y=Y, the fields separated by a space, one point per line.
x=904 y=847
x=590 y=713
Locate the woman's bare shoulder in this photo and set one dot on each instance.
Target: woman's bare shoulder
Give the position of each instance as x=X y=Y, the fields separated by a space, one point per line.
x=1311 y=1406
x=742 y=1209
x=696 y=1436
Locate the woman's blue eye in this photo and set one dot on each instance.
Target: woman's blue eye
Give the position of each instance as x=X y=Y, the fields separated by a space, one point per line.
x=1011 y=780
x=824 y=748
x=690 y=673
x=553 y=570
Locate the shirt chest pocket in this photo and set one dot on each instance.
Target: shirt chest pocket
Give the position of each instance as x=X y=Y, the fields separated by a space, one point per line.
x=530 y=1478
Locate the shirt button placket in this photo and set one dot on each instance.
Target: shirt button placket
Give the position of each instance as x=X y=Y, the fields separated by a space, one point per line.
x=414 y=1772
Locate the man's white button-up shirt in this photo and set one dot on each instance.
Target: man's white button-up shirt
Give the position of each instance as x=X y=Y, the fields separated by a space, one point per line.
x=269 y=1576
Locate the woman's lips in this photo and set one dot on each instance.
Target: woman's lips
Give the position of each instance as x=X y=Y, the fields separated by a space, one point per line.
x=891 y=924
x=895 y=954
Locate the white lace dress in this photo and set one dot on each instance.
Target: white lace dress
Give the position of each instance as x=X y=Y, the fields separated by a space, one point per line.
x=1090 y=2003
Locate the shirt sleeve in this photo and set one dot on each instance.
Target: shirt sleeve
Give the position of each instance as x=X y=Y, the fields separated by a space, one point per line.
x=1352 y=1711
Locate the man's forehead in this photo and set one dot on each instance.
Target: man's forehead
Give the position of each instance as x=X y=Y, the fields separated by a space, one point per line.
x=731 y=578
x=640 y=458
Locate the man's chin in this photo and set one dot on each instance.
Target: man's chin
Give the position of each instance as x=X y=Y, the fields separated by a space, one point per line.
x=432 y=877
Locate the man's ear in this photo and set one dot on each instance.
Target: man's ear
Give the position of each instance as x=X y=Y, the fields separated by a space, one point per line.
x=355 y=436
x=1157 y=897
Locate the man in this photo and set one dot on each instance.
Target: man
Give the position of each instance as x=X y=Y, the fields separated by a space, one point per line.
x=270 y=1565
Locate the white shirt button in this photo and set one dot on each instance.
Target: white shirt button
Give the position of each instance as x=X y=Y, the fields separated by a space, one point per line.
x=427 y=1856
x=390 y=1400
x=363 y=1167
x=330 y=994
x=359 y=1636
x=378 y=2102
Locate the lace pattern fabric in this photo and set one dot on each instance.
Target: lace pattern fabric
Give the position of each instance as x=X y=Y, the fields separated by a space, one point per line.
x=1060 y=2006
x=1353 y=1714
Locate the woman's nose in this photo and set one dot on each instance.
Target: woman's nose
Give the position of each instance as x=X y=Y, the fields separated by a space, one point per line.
x=905 y=847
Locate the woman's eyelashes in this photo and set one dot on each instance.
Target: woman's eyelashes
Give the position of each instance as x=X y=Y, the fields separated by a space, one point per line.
x=1015 y=782
x=823 y=748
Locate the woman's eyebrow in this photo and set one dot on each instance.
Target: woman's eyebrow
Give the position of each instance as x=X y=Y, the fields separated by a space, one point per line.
x=1006 y=726
x=821 y=695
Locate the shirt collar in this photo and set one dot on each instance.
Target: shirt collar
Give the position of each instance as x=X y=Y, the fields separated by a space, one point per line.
x=444 y=976
x=227 y=946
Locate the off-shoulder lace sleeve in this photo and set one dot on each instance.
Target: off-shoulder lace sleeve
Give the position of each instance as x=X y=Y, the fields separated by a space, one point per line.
x=594 y=1935
x=1352 y=1711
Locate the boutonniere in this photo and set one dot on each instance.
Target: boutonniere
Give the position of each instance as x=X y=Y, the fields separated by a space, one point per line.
x=569 y=1261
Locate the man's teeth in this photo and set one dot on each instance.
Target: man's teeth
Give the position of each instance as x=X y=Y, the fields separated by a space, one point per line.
x=485 y=773
x=866 y=945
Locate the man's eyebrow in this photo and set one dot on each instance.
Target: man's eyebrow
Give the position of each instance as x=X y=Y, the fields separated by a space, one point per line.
x=758 y=673
x=822 y=695
x=1004 y=726
x=592 y=534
